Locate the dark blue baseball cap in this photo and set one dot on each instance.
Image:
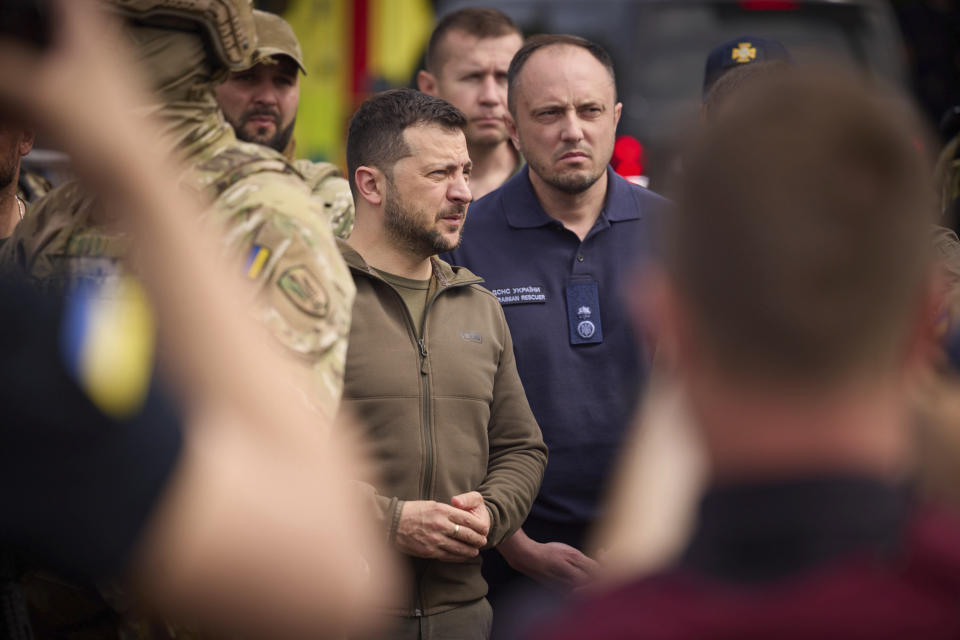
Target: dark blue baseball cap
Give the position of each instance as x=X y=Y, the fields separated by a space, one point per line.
x=740 y=51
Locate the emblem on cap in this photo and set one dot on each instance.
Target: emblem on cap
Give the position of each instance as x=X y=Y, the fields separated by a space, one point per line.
x=585 y=328
x=744 y=52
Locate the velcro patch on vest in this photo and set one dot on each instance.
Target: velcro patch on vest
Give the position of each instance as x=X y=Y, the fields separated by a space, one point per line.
x=305 y=291
x=528 y=294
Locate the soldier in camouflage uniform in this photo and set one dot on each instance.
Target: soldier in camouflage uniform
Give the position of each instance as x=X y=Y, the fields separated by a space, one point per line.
x=31 y=186
x=261 y=103
x=270 y=221
x=271 y=226
x=946 y=244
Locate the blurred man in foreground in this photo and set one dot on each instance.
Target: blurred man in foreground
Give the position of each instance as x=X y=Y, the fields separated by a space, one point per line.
x=797 y=338
x=272 y=232
x=225 y=522
x=467 y=61
x=261 y=104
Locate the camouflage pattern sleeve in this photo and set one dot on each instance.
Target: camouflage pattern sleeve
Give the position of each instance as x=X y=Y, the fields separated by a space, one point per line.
x=54 y=235
x=332 y=190
x=276 y=229
x=947 y=254
x=31 y=186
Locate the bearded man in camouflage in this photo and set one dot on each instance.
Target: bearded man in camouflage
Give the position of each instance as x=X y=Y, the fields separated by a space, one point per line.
x=261 y=104
x=270 y=223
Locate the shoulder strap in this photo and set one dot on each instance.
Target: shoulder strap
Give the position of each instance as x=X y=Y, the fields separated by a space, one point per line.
x=236 y=163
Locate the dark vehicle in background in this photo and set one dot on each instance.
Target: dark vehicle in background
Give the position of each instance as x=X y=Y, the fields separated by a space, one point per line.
x=659 y=48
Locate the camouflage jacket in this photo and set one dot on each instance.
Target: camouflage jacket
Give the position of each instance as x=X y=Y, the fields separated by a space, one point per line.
x=332 y=190
x=947 y=254
x=271 y=225
x=32 y=186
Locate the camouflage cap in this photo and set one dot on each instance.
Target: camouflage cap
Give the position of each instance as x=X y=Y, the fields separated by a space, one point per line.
x=276 y=38
x=228 y=23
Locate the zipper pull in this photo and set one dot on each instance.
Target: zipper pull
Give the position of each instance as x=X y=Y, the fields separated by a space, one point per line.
x=424 y=369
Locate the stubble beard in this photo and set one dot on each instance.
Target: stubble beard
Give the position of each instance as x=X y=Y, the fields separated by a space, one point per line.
x=9 y=167
x=7 y=175
x=571 y=183
x=400 y=223
x=278 y=141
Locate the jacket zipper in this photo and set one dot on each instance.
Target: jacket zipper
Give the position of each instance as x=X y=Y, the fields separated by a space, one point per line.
x=426 y=488
x=425 y=401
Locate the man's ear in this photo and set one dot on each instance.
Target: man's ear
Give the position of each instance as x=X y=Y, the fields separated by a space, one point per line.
x=427 y=82
x=617 y=110
x=511 y=128
x=26 y=142
x=370 y=184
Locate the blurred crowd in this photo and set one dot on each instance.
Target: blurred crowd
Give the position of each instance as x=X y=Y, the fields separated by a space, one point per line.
x=475 y=383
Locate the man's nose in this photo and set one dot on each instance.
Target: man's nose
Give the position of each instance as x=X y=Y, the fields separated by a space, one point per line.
x=265 y=93
x=459 y=190
x=572 y=130
x=490 y=93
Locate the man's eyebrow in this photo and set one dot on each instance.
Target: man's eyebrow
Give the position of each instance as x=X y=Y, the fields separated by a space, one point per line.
x=551 y=104
x=446 y=165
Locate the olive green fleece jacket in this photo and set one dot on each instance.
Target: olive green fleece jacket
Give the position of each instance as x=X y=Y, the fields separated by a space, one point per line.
x=443 y=413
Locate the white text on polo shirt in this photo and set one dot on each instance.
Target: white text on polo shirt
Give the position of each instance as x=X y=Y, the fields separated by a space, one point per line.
x=530 y=294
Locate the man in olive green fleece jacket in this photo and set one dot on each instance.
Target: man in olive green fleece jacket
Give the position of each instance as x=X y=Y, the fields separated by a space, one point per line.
x=430 y=367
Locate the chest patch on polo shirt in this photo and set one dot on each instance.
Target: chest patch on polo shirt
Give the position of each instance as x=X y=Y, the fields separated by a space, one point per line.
x=583 y=312
x=529 y=294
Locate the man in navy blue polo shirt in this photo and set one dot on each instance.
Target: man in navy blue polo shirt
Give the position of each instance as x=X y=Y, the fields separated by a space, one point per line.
x=555 y=244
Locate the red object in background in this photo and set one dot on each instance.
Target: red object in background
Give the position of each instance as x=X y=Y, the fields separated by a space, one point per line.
x=627 y=157
x=358 y=70
x=769 y=5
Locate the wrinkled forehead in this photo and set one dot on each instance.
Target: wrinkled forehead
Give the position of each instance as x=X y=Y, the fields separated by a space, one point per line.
x=563 y=72
x=430 y=142
x=458 y=47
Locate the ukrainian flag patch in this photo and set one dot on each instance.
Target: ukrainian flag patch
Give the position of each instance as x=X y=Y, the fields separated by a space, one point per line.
x=255 y=260
x=108 y=342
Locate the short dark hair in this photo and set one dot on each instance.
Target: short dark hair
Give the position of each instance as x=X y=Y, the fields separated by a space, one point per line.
x=478 y=22
x=375 y=135
x=548 y=40
x=802 y=235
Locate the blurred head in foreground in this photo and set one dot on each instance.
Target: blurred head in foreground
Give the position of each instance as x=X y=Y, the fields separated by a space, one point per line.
x=797 y=265
x=733 y=82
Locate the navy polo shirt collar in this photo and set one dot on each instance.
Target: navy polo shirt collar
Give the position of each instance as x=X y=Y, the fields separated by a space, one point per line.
x=525 y=211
